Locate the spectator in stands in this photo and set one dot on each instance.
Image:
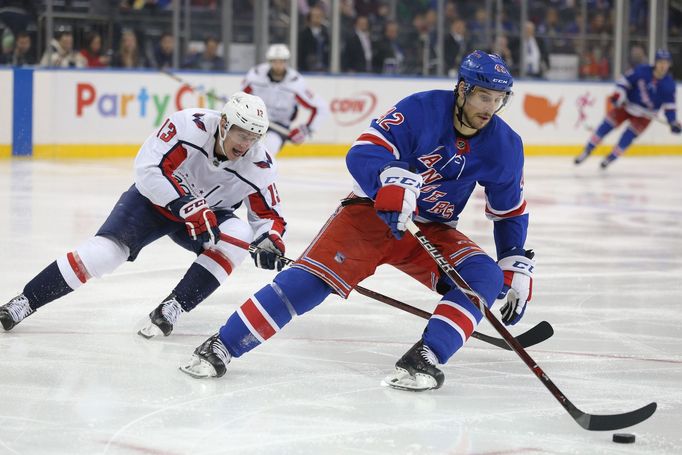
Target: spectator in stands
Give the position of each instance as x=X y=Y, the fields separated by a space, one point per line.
x=60 y=51
x=455 y=46
x=357 y=52
x=550 y=31
x=163 y=52
x=23 y=52
x=389 y=57
x=313 y=43
x=637 y=56
x=208 y=60
x=17 y=15
x=6 y=47
x=129 y=55
x=91 y=55
x=537 y=60
x=594 y=64
x=478 y=29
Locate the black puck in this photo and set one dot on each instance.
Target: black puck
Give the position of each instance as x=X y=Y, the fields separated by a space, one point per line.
x=624 y=438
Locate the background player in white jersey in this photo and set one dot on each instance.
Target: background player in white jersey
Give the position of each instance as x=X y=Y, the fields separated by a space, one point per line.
x=426 y=154
x=284 y=91
x=640 y=94
x=190 y=176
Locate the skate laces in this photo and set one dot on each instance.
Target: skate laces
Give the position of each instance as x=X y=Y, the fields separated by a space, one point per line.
x=428 y=355
x=220 y=350
x=171 y=310
x=19 y=308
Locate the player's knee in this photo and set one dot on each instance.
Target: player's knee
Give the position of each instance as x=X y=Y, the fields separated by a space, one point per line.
x=484 y=276
x=302 y=290
x=102 y=255
x=234 y=227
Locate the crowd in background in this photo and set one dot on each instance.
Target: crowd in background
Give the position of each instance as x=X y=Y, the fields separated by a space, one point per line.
x=374 y=38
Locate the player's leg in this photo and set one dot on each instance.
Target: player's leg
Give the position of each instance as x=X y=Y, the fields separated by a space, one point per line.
x=614 y=118
x=636 y=127
x=326 y=266
x=273 y=142
x=130 y=226
x=455 y=317
x=211 y=269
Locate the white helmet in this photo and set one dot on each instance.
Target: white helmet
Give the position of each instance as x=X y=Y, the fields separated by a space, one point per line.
x=278 y=52
x=246 y=111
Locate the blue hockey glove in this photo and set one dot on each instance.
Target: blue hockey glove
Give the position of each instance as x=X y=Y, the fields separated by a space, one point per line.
x=200 y=221
x=396 y=200
x=675 y=127
x=271 y=251
x=518 y=267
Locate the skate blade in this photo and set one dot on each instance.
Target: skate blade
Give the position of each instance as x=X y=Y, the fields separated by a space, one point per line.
x=199 y=369
x=149 y=331
x=402 y=380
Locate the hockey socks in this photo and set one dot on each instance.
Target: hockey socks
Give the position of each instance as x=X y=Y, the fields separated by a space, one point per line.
x=197 y=284
x=292 y=292
x=47 y=286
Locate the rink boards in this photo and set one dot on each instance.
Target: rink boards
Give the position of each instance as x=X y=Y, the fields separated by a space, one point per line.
x=108 y=113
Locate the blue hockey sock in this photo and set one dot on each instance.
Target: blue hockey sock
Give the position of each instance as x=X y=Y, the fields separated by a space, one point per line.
x=603 y=129
x=47 y=286
x=625 y=141
x=456 y=317
x=197 y=284
x=292 y=292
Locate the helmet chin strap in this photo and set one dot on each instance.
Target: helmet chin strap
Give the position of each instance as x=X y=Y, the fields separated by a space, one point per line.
x=222 y=138
x=459 y=112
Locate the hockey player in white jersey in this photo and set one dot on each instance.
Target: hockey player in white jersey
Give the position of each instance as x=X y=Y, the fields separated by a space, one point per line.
x=190 y=177
x=284 y=90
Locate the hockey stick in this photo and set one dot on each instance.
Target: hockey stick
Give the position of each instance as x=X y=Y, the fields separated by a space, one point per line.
x=533 y=336
x=200 y=89
x=590 y=422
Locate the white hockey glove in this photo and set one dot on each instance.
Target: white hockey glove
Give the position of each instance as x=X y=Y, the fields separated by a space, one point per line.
x=518 y=283
x=396 y=200
x=271 y=251
x=299 y=134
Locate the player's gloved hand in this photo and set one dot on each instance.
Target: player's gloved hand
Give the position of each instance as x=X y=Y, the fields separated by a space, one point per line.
x=675 y=127
x=396 y=200
x=518 y=267
x=200 y=221
x=299 y=134
x=271 y=249
x=619 y=98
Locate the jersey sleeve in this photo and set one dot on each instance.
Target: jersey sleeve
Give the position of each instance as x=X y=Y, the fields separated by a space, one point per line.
x=264 y=211
x=158 y=158
x=389 y=138
x=506 y=204
x=316 y=106
x=245 y=85
x=669 y=105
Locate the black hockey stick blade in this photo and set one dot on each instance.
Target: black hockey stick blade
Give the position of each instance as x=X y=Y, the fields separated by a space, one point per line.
x=535 y=335
x=594 y=422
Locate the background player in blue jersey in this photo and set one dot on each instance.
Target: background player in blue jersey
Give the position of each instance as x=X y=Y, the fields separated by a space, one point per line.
x=424 y=156
x=190 y=176
x=640 y=94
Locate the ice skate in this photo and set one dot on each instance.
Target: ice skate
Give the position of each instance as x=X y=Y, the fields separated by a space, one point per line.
x=13 y=312
x=416 y=370
x=582 y=157
x=607 y=161
x=162 y=319
x=209 y=360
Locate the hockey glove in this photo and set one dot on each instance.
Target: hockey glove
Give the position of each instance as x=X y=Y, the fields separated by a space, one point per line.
x=619 y=98
x=518 y=283
x=396 y=200
x=200 y=221
x=271 y=249
x=675 y=127
x=299 y=134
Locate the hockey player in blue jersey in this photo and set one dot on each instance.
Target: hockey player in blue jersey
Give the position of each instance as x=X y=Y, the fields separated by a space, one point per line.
x=190 y=176
x=640 y=94
x=422 y=158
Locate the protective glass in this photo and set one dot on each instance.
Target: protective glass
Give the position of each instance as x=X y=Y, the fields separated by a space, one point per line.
x=241 y=136
x=489 y=100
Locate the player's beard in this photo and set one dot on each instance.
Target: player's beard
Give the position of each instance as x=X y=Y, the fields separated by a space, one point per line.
x=474 y=121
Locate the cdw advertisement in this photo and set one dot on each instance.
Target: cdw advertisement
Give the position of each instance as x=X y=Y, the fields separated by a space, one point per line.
x=120 y=107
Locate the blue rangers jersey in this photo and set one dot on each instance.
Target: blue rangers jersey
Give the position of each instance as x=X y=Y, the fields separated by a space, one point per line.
x=646 y=94
x=419 y=131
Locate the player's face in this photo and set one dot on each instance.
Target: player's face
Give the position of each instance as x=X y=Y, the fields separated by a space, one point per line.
x=278 y=67
x=480 y=106
x=238 y=142
x=661 y=68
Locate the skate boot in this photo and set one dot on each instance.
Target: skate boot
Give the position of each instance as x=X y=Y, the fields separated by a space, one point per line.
x=607 y=161
x=209 y=360
x=13 y=312
x=162 y=319
x=582 y=157
x=416 y=370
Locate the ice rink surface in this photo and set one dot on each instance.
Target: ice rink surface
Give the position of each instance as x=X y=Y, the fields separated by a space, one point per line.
x=76 y=379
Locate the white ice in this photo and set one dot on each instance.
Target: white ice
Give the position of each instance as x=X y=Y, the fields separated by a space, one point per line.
x=76 y=379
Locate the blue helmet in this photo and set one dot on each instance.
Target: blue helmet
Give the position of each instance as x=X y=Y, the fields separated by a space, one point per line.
x=485 y=70
x=663 y=54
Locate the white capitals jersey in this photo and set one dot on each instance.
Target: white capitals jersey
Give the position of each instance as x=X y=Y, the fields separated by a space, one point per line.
x=179 y=159
x=283 y=98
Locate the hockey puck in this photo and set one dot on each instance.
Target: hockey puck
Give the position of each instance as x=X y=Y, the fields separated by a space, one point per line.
x=624 y=438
